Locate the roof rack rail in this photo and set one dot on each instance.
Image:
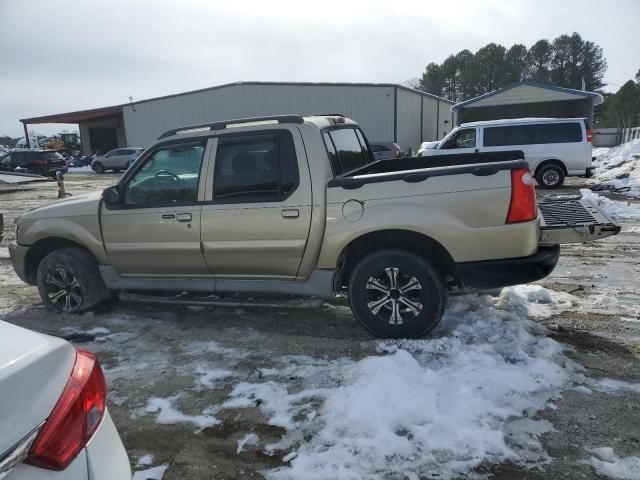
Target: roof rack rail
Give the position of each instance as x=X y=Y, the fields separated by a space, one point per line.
x=223 y=124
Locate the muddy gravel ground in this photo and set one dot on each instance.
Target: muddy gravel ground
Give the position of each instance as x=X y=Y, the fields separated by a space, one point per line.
x=165 y=361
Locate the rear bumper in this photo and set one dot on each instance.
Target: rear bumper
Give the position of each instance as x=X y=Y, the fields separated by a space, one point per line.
x=491 y=274
x=18 y=255
x=589 y=172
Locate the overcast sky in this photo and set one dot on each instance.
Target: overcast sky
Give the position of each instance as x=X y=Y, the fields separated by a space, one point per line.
x=65 y=55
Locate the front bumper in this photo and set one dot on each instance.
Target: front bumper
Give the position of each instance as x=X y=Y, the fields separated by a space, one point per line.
x=18 y=255
x=491 y=274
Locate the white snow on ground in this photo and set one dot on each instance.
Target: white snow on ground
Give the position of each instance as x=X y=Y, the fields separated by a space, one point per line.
x=607 y=463
x=144 y=460
x=617 y=210
x=85 y=169
x=4 y=253
x=209 y=377
x=154 y=473
x=614 y=163
x=439 y=406
x=167 y=414
x=248 y=439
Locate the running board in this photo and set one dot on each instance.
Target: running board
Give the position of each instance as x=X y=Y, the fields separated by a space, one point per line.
x=209 y=301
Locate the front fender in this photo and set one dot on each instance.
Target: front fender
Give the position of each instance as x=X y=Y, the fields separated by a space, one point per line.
x=83 y=230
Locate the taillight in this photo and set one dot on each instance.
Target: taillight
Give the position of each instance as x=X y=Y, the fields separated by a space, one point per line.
x=75 y=417
x=589 y=136
x=523 y=207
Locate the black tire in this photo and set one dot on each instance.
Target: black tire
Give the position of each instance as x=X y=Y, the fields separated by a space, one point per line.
x=550 y=176
x=116 y=170
x=98 y=167
x=68 y=281
x=431 y=296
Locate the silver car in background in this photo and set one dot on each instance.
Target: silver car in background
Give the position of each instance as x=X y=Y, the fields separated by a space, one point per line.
x=116 y=160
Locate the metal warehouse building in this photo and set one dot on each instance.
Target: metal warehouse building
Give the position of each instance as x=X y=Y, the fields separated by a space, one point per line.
x=386 y=112
x=528 y=99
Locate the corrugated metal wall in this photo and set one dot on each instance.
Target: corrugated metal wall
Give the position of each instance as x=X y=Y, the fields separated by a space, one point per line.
x=372 y=107
x=409 y=105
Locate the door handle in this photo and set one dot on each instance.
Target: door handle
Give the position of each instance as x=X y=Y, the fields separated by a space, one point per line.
x=183 y=217
x=291 y=213
x=167 y=216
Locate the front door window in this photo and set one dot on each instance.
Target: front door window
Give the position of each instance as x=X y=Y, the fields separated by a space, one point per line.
x=168 y=177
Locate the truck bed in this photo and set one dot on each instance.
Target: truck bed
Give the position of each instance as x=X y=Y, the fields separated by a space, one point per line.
x=417 y=169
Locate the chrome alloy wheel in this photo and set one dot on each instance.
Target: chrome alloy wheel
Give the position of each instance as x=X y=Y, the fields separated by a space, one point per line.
x=63 y=290
x=394 y=296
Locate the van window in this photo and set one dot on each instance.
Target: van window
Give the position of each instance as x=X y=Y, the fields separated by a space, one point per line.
x=532 y=134
x=465 y=138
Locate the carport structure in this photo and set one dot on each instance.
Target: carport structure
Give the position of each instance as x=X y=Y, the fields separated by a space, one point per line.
x=101 y=129
x=528 y=99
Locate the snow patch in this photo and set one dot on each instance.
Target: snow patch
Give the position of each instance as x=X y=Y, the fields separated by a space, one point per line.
x=619 y=167
x=208 y=377
x=613 y=208
x=145 y=460
x=419 y=408
x=607 y=463
x=4 y=253
x=168 y=415
x=85 y=169
x=154 y=473
x=248 y=440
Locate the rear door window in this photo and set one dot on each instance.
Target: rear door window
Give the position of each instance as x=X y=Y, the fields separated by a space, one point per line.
x=257 y=167
x=558 y=133
x=508 y=135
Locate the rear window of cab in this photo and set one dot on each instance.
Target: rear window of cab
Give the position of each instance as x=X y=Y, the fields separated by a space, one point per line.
x=566 y=132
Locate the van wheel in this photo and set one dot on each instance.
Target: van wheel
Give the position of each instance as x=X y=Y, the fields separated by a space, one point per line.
x=68 y=281
x=396 y=294
x=98 y=167
x=550 y=176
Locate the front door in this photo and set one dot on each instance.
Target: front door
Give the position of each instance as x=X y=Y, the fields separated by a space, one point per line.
x=156 y=231
x=462 y=141
x=257 y=218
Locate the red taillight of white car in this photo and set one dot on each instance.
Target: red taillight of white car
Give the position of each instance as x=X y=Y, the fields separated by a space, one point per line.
x=523 y=206
x=75 y=417
x=589 y=136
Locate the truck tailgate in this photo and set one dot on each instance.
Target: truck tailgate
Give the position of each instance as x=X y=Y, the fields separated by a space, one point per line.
x=573 y=220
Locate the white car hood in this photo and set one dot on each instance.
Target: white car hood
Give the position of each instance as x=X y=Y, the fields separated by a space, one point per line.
x=34 y=369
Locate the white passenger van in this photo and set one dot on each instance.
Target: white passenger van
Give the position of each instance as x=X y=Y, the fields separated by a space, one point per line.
x=554 y=147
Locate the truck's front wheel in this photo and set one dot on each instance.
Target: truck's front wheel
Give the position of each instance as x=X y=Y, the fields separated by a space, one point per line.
x=69 y=281
x=396 y=294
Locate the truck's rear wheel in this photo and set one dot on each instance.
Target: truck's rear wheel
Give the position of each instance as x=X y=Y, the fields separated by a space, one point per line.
x=396 y=294
x=550 y=176
x=69 y=281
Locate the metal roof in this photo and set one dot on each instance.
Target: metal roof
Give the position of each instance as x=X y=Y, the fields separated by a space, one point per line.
x=83 y=115
x=78 y=116
x=598 y=98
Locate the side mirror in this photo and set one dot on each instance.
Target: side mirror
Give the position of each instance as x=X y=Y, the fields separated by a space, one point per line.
x=112 y=195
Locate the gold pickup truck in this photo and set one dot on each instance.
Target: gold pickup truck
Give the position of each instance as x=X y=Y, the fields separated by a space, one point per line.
x=298 y=205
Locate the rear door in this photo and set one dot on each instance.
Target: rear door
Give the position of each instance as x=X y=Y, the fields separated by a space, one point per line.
x=256 y=220
x=565 y=141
